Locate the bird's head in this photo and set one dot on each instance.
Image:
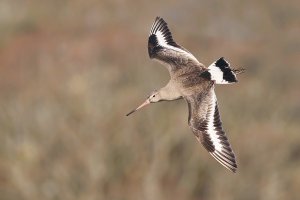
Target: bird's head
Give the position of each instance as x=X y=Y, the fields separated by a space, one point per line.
x=154 y=97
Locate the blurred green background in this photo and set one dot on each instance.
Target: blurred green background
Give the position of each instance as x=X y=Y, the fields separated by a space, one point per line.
x=71 y=70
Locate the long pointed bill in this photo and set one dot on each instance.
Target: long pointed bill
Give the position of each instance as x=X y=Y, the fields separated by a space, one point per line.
x=142 y=105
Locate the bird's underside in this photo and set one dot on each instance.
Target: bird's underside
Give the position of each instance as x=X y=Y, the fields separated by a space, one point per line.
x=205 y=122
x=196 y=85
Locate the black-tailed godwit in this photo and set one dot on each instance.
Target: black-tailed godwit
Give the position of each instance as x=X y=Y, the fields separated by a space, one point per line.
x=194 y=82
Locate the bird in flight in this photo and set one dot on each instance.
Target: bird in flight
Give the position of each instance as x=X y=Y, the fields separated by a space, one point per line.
x=194 y=82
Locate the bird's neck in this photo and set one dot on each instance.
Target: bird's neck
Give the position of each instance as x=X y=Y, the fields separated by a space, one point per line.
x=169 y=92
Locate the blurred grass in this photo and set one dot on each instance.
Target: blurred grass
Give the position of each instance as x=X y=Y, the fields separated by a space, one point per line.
x=70 y=71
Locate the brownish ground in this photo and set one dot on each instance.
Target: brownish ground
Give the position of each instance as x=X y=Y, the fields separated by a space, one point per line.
x=71 y=70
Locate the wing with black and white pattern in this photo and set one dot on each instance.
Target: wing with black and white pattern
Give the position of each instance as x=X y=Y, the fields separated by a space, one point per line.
x=162 y=46
x=205 y=122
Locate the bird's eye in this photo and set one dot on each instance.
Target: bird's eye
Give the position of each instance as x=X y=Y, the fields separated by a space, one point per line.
x=154 y=95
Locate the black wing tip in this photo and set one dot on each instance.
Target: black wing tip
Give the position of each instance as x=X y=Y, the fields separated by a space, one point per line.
x=158 y=18
x=159 y=21
x=159 y=24
x=223 y=160
x=234 y=170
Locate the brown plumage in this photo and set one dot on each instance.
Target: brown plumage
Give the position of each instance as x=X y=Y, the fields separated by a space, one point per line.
x=193 y=82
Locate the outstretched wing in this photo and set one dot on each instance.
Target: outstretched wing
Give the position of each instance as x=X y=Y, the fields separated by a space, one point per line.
x=205 y=122
x=162 y=47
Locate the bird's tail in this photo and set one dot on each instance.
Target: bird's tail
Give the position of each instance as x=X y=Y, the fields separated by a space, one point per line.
x=221 y=73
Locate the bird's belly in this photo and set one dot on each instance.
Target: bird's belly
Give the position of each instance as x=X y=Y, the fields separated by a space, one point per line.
x=196 y=85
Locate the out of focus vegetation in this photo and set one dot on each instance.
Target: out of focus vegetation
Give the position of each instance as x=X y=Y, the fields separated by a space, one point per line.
x=71 y=70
